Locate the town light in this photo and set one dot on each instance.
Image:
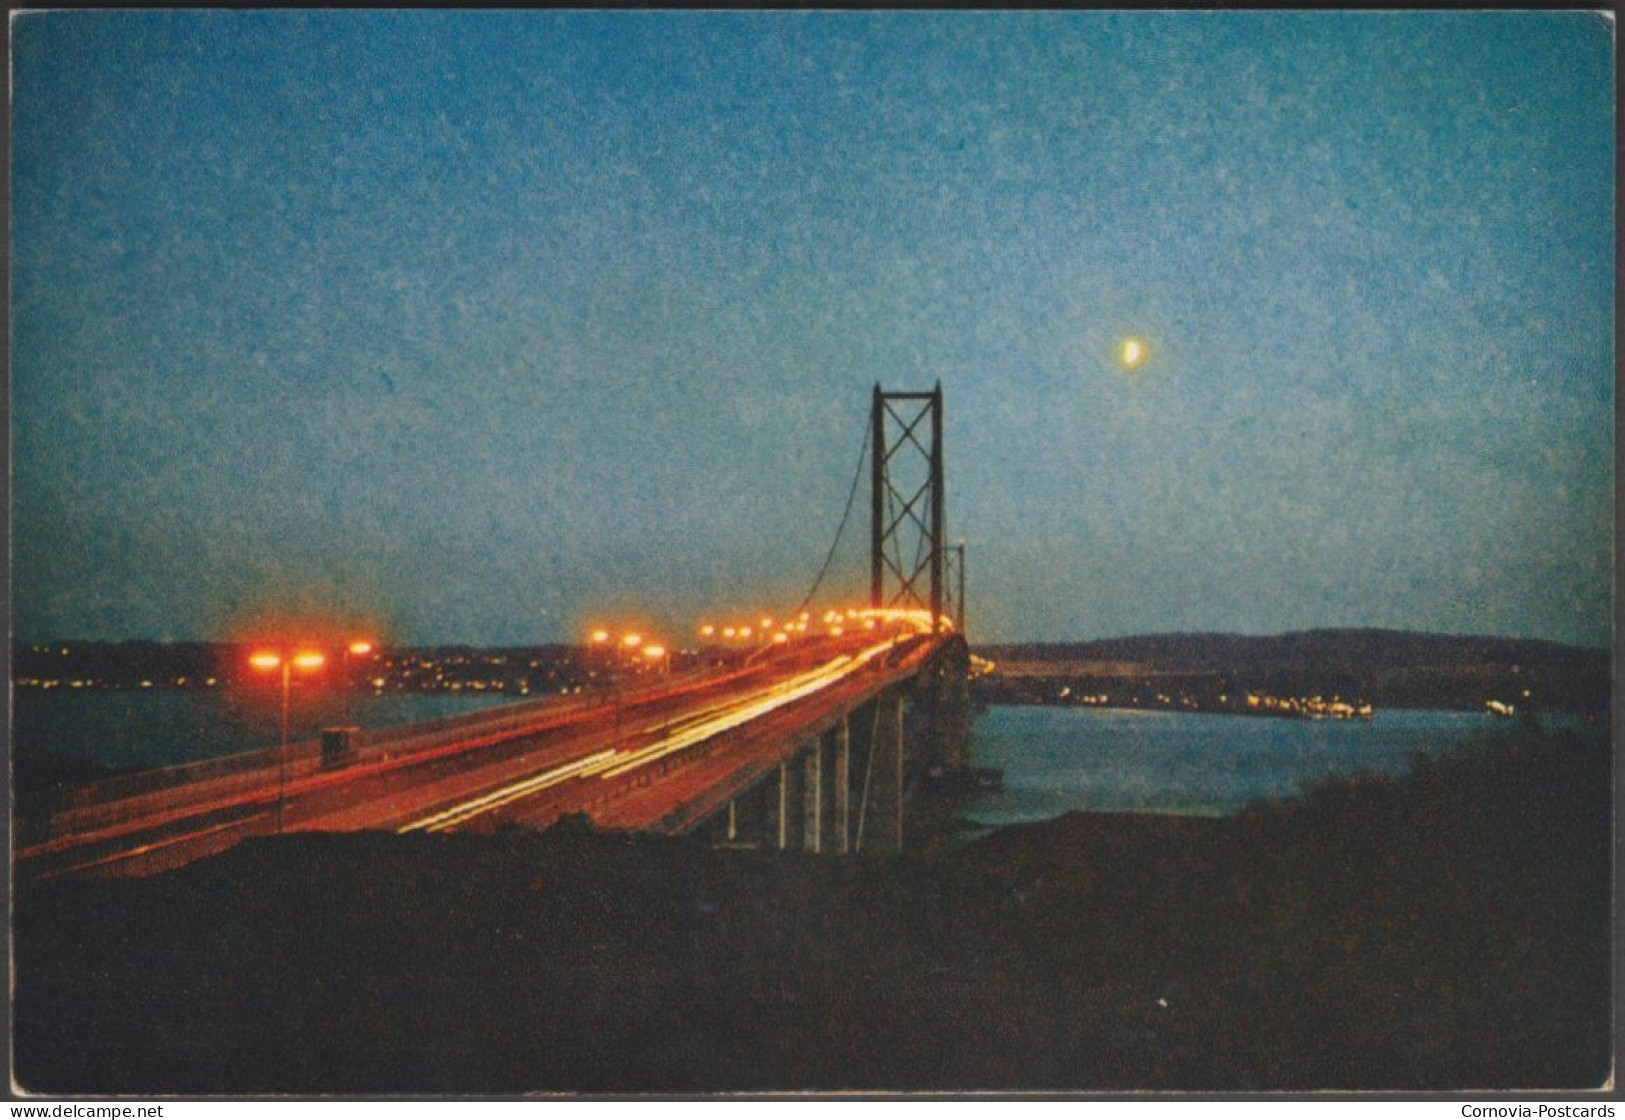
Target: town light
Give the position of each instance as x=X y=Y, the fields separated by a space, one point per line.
x=600 y=636
x=361 y=648
x=633 y=640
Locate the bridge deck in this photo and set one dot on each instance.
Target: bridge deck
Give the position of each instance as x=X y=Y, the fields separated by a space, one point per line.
x=658 y=758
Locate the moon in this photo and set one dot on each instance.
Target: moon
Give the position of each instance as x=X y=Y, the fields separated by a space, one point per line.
x=1133 y=352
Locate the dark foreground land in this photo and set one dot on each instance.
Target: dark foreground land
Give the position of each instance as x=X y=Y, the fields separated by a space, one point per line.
x=1448 y=931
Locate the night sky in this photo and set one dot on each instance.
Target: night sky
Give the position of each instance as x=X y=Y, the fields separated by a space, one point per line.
x=486 y=327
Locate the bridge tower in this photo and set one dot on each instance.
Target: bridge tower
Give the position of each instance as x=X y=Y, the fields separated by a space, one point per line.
x=909 y=560
x=907 y=540
x=845 y=787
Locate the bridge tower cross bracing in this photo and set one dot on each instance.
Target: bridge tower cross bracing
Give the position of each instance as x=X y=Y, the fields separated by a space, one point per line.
x=906 y=490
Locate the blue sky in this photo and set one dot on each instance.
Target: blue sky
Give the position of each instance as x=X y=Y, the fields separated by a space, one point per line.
x=490 y=325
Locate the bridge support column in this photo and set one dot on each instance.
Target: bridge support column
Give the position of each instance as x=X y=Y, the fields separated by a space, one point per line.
x=894 y=761
x=758 y=816
x=843 y=787
x=781 y=815
x=791 y=809
x=812 y=797
x=880 y=816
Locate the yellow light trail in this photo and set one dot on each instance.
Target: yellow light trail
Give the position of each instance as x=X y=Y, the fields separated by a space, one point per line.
x=611 y=763
x=786 y=692
x=457 y=814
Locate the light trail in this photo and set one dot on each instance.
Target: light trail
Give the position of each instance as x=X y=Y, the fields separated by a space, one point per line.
x=457 y=814
x=786 y=693
x=155 y=846
x=611 y=763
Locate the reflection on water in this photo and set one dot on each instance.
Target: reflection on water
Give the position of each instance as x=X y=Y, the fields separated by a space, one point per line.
x=1056 y=760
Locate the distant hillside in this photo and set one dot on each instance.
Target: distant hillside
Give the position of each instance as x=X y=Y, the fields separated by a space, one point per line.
x=1391 y=668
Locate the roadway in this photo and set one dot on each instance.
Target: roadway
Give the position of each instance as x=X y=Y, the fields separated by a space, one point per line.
x=655 y=757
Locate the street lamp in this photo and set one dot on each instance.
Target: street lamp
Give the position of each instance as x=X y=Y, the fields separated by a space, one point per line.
x=598 y=639
x=358 y=648
x=266 y=661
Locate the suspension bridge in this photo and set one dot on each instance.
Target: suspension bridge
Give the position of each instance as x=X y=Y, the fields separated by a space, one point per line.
x=813 y=744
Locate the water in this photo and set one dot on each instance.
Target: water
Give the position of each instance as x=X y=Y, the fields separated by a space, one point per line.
x=160 y=727
x=1056 y=760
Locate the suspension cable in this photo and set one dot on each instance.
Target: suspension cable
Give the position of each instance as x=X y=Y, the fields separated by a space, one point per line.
x=857 y=477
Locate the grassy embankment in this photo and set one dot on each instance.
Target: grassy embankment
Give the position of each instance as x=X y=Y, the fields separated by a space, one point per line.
x=1450 y=930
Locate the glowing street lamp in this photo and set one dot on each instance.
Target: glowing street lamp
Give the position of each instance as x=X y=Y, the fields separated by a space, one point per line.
x=597 y=640
x=656 y=655
x=357 y=648
x=268 y=661
x=629 y=647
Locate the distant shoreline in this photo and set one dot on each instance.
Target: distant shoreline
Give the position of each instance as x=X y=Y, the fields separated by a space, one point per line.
x=1386 y=669
x=1180 y=711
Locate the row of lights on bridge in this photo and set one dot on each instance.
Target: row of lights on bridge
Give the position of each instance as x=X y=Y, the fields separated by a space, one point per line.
x=763 y=631
x=836 y=623
x=629 y=645
x=634 y=644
